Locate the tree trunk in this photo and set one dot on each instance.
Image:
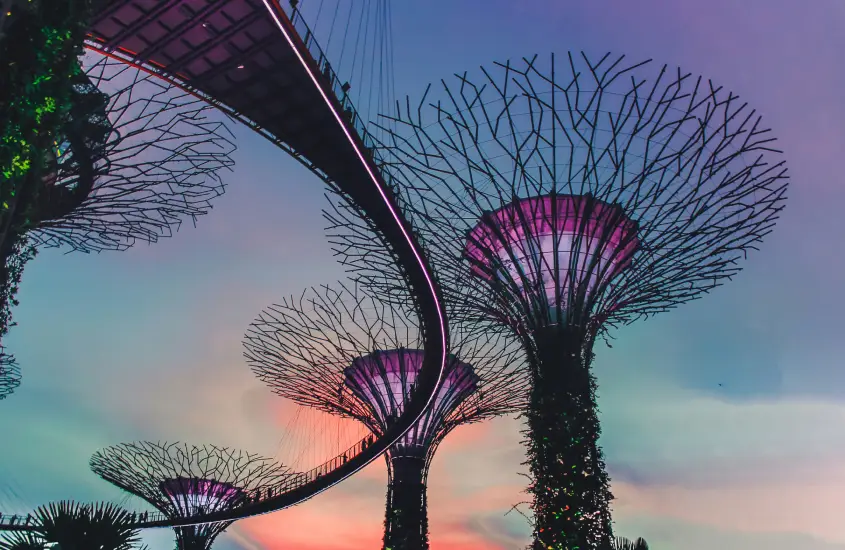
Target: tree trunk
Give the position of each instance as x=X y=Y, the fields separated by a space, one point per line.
x=406 y=516
x=194 y=537
x=570 y=485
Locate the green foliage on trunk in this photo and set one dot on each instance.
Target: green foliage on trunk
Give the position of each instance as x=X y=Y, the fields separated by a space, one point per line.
x=406 y=514
x=40 y=45
x=570 y=487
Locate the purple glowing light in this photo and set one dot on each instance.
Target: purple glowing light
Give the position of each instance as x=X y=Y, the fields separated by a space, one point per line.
x=591 y=242
x=384 y=380
x=193 y=496
x=441 y=317
x=272 y=6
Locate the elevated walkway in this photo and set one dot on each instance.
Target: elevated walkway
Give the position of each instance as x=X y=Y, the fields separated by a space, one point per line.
x=264 y=68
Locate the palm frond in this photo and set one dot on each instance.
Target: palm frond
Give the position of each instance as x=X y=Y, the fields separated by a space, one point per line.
x=21 y=541
x=75 y=526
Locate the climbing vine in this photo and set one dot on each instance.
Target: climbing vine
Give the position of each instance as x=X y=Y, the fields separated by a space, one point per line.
x=40 y=46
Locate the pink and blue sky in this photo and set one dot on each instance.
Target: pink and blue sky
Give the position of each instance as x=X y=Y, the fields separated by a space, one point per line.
x=724 y=421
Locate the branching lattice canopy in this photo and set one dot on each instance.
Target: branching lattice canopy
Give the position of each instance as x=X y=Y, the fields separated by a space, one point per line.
x=316 y=350
x=136 y=157
x=604 y=189
x=383 y=380
x=182 y=481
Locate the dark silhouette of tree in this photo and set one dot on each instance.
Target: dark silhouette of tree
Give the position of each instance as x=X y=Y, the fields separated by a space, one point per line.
x=344 y=352
x=560 y=203
x=20 y=540
x=187 y=481
x=76 y=526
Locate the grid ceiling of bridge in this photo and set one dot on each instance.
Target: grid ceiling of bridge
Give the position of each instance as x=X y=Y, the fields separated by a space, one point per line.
x=233 y=52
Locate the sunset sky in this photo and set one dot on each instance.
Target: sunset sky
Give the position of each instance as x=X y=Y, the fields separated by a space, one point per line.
x=723 y=421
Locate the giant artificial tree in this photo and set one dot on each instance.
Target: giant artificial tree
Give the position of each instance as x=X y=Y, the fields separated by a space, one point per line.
x=183 y=481
x=131 y=158
x=346 y=353
x=39 y=46
x=562 y=201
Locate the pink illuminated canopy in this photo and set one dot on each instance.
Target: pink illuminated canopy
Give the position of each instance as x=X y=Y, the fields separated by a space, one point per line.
x=193 y=496
x=383 y=380
x=559 y=243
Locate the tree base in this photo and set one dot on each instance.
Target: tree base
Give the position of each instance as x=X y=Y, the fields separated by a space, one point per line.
x=570 y=485
x=406 y=515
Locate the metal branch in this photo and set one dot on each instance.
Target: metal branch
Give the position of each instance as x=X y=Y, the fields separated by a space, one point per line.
x=158 y=162
x=684 y=159
x=302 y=347
x=221 y=478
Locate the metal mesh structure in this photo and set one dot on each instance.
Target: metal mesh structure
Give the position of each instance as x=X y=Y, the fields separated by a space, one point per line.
x=306 y=347
x=158 y=154
x=557 y=251
x=383 y=380
x=10 y=375
x=685 y=160
x=344 y=352
x=184 y=481
x=559 y=201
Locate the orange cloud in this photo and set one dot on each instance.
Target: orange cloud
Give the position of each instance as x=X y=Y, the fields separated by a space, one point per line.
x=331 y=521
x=811 y=504
x=462 y=501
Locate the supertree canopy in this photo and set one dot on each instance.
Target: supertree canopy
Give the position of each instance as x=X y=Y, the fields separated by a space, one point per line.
x=552 y=253
x=151 y=157
x=132 y=158
x=346 y=353
x=184 y=481
x=39 y=46
x=383 y=379
x=562 y=201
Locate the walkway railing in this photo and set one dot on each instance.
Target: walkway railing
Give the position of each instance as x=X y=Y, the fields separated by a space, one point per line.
x=292 y=482
x=15 y=520
x=342 y=94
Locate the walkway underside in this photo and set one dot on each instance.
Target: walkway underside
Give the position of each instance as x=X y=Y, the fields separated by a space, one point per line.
x=245 y=57
x=233 y=53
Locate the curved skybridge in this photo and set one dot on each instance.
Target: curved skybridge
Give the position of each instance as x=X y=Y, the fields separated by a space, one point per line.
x=261 y=64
